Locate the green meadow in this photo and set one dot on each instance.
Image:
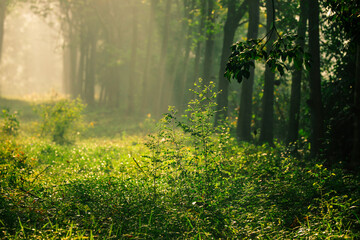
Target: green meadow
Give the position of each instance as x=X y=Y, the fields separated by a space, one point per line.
x=178 y=177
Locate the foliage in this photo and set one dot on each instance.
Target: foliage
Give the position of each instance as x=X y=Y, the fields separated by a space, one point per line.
x=339 y=64
x=282 y=50
x=199 y=171
x=15 y=170
x=188 y=180
x=10 y=125
x=61 y=118
x=95 y=190
x=15 y=167
x=346 y=12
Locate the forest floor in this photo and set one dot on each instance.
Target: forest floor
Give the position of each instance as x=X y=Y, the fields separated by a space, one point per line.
x=114 y=181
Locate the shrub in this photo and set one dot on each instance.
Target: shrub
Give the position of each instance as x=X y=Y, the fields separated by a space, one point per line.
x=188 y=155
x=10 y=125
x=60 y=119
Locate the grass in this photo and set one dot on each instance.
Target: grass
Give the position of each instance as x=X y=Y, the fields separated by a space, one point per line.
x=128 y=186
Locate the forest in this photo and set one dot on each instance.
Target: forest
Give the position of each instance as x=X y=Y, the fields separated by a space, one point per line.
x=179 y=119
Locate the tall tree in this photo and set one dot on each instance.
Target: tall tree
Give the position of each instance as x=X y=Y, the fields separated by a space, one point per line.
x=70 y=60
x=243 y=129
x=315 y=101
x=3 y=7
x=346 y=13
x=199 y=42
x=163 y=57
x=180 y=85
x=267 y=121
x=355 y=158
x=80 y=34
x=210 y=41
x=89 y=83
x=234 y=15
x=70 y=49
x=150 y=28
x=133 y=61
x=178 y=39
x=111 y=80
x=295 y=99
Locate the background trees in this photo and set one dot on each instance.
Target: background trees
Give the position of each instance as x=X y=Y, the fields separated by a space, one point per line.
x=137 y=57
x=315 y=101
x=3 y=8
x=297 y=76
x=344 y=17
x=235 y=12
x=243 y=128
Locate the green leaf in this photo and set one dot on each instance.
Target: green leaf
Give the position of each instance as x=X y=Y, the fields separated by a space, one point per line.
x=239 y=78
x=246 y=73
x=280 y=69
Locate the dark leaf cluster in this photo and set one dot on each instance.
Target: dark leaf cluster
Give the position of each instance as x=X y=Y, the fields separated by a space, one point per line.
x=283 y=52
x=347 y=13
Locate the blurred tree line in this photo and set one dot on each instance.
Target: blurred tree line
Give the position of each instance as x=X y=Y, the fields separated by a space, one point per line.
x=142 y=55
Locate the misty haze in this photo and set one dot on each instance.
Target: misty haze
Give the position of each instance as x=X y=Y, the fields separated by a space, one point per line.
x=179 y=119
x=32 y=54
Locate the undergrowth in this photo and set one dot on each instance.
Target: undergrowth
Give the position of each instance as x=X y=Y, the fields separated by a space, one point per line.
x=188 y=180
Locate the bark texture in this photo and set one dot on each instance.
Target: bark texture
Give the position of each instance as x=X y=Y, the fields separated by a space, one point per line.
x=355 y=160
x=233 y=17
x=243 y=130
x=315 y=101
x=267 y=121
x=295 y=98
x=210 y=42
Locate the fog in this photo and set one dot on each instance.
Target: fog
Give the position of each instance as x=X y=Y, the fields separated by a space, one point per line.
x=32 y=54
x=137 y=56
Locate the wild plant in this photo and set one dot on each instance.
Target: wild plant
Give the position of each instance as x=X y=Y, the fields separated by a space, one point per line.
x=59 y=119
x=16 y=170
x=15 y=166
x=10 y=125
x=191 y=149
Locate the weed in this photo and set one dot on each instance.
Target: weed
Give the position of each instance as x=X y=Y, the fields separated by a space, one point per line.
x=60 y=118
x=10 y=125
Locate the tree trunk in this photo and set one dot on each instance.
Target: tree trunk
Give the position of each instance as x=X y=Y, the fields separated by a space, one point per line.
x=66 y=69
x=131 y=105
x=267 y=121
x=232 y=22
x=145 y=94
x=355 y=160
x=295 y=99
x=70 y=58
x=69 y=61
x=163 y=57
x=170 y=97
x=180 y=84
x=243 y=130
x=113 y=38
x=73 y=48
x=80 y=73
x=198 y=46
x=3 y=5
x=210 y=42
x=315 y=102
x=90 y=71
